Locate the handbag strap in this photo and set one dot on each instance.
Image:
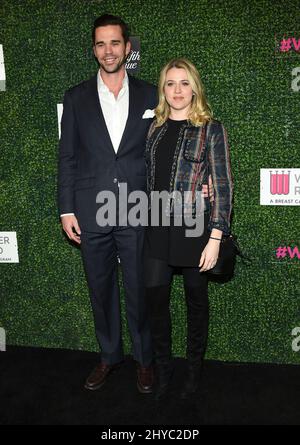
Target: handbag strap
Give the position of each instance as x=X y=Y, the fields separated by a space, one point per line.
x=239 y=252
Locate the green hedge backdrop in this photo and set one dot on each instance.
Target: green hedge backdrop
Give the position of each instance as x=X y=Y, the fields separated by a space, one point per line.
x=47 y=48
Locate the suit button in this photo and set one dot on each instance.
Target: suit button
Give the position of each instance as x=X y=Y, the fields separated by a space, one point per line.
x=115 y=180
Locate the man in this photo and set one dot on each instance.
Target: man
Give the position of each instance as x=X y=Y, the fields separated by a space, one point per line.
x=102 y=146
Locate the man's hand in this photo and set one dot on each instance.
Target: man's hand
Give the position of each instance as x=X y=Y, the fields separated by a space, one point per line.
x=71 y=227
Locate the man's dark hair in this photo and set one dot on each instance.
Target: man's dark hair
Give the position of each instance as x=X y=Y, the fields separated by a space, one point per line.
x=108 y=19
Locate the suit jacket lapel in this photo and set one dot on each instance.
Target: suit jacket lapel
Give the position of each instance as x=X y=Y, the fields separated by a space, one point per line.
x=135 y=109
x=97 y=115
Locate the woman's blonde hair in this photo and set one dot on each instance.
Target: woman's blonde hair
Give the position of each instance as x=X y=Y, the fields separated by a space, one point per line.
x=200 y=111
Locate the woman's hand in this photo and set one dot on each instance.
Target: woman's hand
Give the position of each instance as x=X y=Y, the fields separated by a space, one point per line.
x=209 y=255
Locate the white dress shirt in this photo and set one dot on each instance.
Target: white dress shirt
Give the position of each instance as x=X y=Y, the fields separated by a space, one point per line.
x=115 y=111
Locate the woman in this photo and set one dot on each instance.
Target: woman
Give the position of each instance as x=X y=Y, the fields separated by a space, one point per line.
x=187 y=155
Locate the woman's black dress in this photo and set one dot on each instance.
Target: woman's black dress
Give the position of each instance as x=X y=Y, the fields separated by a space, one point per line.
x=170 y=243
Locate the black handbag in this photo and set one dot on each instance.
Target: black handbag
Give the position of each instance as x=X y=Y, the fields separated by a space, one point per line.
x=229 y=249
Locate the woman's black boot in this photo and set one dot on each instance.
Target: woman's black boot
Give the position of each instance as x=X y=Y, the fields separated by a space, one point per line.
x=197 y=333
x=158 y=301
x=164 y=373
x=192 y=380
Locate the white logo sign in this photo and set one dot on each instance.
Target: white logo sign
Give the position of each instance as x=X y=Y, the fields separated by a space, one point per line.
x=60 y=108
x=296 y=341
x=8 y=247
x=2 y=70
x=280 y=186
x=296 y=79
x=133 y=59
x=2 y=340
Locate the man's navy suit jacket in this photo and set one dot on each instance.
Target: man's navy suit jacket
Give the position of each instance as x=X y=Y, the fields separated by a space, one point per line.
x=88 y=163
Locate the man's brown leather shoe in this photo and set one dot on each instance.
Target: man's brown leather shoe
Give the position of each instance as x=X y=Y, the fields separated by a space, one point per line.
x=98 y=376
x=145 y=378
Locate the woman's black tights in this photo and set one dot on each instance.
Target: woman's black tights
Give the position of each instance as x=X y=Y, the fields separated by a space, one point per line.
x=158 y=275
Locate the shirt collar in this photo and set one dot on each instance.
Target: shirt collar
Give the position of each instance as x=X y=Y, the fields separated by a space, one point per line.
x=104 y=89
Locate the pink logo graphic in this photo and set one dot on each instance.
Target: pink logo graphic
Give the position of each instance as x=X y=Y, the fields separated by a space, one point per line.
x=287 y=45
x=282 y=252
x=280 y=183
x=291 y=43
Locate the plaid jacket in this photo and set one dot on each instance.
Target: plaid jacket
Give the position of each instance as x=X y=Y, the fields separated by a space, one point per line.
x=201 y=157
